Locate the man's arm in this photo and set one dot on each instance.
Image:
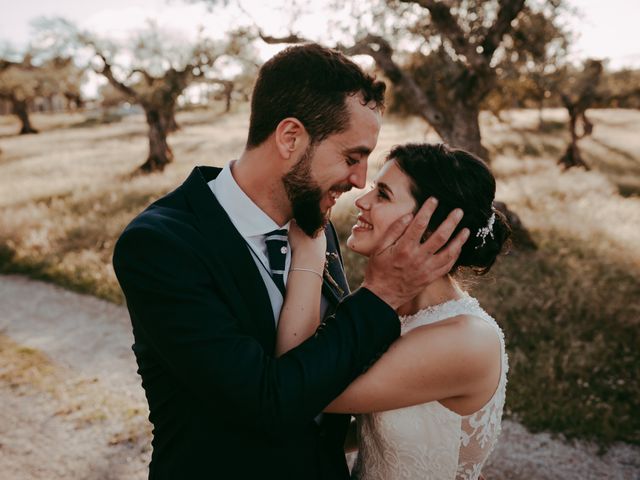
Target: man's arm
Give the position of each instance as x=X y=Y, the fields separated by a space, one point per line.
x=178 y=308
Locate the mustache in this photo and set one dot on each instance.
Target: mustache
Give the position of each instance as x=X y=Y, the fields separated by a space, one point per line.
x=341 y=188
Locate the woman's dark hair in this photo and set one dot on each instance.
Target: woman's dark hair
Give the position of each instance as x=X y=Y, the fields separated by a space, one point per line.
x=458 y=179
x=311 y=83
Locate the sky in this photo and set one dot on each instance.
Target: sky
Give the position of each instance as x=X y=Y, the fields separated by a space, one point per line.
x=605 y=28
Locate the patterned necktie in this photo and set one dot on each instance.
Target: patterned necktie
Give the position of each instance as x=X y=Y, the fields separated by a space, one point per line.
x=277 y=250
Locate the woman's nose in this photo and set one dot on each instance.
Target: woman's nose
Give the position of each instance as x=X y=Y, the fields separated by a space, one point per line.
x=362 y=202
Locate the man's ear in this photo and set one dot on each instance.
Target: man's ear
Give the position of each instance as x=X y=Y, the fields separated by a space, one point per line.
x=291 y=138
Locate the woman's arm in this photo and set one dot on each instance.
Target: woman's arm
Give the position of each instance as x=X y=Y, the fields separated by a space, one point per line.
x=459 y=358
x=300 y=314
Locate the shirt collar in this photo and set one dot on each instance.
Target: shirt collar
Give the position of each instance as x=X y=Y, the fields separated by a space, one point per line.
x=249 y=219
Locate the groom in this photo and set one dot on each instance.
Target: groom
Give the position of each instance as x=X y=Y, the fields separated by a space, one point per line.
x=204 y=286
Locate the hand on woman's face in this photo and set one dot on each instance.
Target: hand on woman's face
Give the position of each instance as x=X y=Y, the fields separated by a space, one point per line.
x=388 y=200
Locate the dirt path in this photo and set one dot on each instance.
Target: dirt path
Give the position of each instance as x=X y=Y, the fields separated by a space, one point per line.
x=73 y=408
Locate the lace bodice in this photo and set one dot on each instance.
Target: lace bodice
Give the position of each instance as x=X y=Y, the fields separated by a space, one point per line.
x=429 y=441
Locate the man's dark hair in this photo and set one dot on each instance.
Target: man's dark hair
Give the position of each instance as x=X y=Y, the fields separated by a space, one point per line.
x=311 y=83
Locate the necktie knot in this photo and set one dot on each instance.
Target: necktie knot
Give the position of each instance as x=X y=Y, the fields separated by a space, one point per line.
x=277 y=248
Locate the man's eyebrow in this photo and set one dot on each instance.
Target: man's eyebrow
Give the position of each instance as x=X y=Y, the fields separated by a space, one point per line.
x=360 y=150
x=384 y=187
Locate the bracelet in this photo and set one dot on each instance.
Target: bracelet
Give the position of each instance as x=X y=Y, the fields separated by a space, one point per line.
x=306 y=270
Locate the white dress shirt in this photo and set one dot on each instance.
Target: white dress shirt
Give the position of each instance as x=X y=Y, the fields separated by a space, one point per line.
x=253 y=224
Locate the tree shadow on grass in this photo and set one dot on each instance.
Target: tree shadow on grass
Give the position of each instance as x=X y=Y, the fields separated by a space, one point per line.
x=546 y=126
x=618 y=151
x=10 y=135
x=541 y=141
x=625 y=124
x=552 y=304
x=569 y=314
x=206 y=119
x=528 y=146
x=619 y=166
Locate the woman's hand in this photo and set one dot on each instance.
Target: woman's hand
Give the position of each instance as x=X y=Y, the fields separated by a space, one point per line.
x=307 y=252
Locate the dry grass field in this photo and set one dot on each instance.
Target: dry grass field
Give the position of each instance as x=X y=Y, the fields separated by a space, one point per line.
x=570 y=309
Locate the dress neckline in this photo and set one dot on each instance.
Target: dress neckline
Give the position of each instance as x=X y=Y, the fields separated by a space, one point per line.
x=433 y=313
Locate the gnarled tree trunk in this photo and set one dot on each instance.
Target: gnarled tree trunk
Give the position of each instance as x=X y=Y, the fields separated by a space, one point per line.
x=160 y=153
x=20 y=109
x=572 y=156
x=228 y=92
x=168 y=118
x=461 y=129
x=580 y=94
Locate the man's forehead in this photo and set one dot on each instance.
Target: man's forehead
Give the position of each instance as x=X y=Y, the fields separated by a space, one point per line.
x=353 y=143
x=364 y=125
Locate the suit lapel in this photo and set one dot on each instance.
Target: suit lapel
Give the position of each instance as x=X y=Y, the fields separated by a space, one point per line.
x=253 y=307
x=229 y=249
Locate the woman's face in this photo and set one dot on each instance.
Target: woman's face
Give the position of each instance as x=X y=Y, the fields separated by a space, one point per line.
x=389 y=199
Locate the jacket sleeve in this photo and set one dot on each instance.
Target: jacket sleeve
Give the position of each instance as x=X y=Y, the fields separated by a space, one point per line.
x=175 y=303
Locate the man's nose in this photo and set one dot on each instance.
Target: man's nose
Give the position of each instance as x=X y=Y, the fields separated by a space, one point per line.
x=359 y=177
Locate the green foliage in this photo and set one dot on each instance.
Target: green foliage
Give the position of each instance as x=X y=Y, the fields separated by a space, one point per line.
x=572 y=330
x=527 y=70
x=571 y=319
x=570 y=310
x=622 y=89
x=520 y=67
x=615 y=89
x=436 y=75
x=27 y=79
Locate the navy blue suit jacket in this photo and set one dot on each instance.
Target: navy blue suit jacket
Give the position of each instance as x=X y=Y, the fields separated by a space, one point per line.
x=222 y=405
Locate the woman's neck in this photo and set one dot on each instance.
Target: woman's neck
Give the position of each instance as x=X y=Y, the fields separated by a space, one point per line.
x=441 y=290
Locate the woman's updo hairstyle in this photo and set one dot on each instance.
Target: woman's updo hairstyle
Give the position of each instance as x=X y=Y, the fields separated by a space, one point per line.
x=457 y=179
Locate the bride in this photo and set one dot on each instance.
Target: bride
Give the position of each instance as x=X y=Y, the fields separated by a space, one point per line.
x=431 y=406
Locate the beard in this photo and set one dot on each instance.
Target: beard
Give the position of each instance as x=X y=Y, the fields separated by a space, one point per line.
x=305 y=195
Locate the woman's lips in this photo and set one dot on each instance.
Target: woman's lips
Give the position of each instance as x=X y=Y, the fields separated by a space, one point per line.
x=362 y=225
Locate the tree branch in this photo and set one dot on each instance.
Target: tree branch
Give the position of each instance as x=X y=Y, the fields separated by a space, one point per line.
x=382 y=53
x=509 y=10
x=108 y=73
x=291 y=38
x=204 y=60
x=147 y=76
x=448 y=27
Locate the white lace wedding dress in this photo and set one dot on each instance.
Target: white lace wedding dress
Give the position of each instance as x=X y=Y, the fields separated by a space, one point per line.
x=429 y=441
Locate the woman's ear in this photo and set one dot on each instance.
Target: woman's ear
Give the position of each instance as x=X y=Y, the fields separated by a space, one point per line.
x=291 y=137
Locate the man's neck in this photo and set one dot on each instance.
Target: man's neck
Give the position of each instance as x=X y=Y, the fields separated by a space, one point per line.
x=257 y=175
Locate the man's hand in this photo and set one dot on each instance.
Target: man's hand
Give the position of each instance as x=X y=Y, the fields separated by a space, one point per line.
x=403 y=266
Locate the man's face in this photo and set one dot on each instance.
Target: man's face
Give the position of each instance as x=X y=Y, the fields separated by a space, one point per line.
x=332 y=167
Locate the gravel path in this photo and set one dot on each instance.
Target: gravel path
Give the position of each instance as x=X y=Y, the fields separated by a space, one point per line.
x=72 y=405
